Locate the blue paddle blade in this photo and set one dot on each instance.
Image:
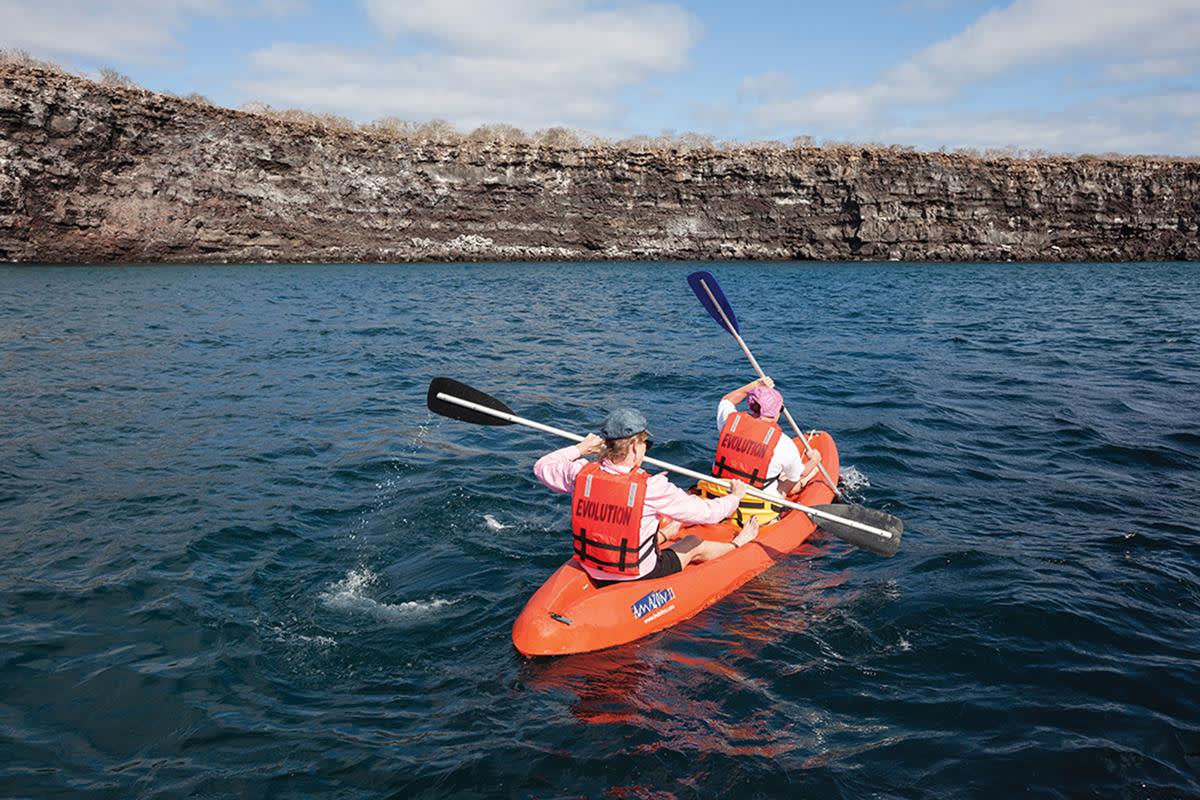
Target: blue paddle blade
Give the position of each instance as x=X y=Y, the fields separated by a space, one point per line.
x=713 y=299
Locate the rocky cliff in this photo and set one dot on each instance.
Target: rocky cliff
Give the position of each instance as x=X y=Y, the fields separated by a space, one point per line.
x=93 y=173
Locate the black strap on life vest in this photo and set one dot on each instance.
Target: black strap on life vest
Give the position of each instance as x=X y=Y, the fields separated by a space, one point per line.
x=582 y=542
x=721 y=468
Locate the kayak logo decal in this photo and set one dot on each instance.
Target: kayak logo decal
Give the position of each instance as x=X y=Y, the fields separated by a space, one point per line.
x=653 y=602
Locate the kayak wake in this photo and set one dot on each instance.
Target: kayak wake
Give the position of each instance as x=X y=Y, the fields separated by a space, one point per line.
x=350 y=595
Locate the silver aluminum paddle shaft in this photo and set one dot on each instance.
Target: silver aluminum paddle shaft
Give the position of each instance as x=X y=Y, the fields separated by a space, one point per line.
x=664 y=465
x=754 y=363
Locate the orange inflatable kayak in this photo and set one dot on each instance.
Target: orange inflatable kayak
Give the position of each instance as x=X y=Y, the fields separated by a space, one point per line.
x=569 y=614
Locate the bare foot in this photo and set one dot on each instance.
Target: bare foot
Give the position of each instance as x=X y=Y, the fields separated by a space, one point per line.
x=748 y=533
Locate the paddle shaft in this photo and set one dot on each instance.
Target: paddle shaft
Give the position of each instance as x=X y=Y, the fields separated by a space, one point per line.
x=537 y=426
x=754 y=363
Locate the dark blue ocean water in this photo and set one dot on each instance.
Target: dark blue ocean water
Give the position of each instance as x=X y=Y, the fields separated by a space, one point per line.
x=239 y=558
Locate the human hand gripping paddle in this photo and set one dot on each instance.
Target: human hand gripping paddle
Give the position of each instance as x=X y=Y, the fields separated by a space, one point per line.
x=709 y=293
x=871 y=530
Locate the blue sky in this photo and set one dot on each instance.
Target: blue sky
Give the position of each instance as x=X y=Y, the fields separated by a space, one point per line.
x=1058 y=75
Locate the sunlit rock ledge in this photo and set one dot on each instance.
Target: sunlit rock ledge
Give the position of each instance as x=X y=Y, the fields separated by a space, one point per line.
x=96 y=173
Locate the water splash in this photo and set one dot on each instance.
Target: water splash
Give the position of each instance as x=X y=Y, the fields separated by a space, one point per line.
x=351 y=595
x=417 y=440
x=387 y=491
x=494 y=523
x=854 y=480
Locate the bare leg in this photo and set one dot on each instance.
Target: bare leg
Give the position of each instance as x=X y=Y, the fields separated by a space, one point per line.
x=748 y=533
x=693 y=548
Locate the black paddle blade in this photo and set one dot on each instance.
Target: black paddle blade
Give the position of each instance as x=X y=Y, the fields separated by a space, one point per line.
x=877 y=544
x=698 y=281
x=452 y=388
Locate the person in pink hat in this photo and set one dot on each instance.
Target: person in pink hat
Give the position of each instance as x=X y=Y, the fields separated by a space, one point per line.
x=753 y=448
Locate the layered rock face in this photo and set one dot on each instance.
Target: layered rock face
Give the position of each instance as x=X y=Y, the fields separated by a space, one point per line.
x=92 y=173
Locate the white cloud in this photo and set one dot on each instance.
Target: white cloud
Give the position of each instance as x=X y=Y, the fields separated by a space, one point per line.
x=114 y=31
x=1151 y=69
x=1054 y=133
x=1156 y=107
x=1153 y=122
x=530 y=63
x=767 y=86
x=1024 y=35
x=552 y=33
x=1152 y=38
x=118 y=31
x=466 y=91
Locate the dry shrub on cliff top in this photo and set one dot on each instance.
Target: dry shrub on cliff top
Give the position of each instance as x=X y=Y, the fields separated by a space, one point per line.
x=670 y=142
x=440 y=131
x=761 y=145
x=18 y=57
x=437 y=130
x=392 y=128
x=498 y=134
x=194 y=97
x=557 y=137
x=1014 y=153
x=329 y=122
x=696 y=143
x=110 y=77
x=861 y=150
x=639 y=142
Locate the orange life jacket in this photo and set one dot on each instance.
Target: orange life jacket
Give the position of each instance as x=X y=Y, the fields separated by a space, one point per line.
x=606 y=521
x=744 y=449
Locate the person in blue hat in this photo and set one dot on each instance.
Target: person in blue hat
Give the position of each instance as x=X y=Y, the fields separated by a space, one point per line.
x=617 y=507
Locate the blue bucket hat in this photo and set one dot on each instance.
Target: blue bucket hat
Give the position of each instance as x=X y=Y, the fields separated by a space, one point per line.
x=623 y=422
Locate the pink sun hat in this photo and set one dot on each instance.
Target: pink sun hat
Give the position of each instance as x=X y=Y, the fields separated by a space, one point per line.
x=768 y=400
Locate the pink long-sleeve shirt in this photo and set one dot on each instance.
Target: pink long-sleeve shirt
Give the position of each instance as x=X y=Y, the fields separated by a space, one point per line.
x=557 y=472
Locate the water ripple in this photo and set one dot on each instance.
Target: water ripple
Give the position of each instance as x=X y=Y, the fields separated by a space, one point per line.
x=239 y=557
